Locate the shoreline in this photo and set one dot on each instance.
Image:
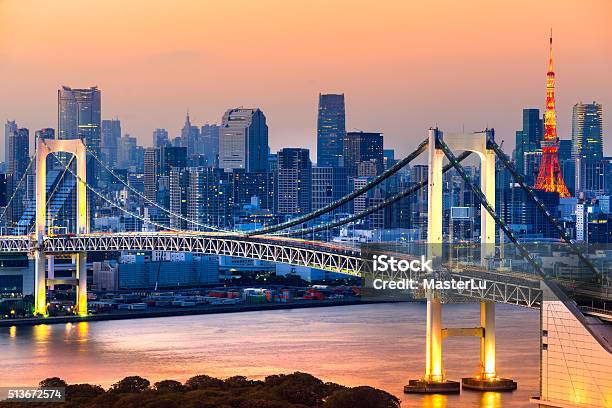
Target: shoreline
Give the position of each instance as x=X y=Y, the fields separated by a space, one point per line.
x=168 y=312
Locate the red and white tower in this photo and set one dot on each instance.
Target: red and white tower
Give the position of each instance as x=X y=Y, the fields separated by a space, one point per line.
x=550 y=177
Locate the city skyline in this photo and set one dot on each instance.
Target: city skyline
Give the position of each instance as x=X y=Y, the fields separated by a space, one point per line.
x=379 y=79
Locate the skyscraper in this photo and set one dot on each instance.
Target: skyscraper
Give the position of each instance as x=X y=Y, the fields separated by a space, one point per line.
x=587 y=131
x=160 y=137
x=79 y=116
x=528 y=140
x=179 y=198
x=111 y=133
x=550 y=177
x=189 y=136
x=243 y=141
x=170 y=157
x=17 y=151
x=329 y=184
x=293 y=186
x=209 y=143
x=126 y=155
x=151 y=173
x=331 y=130
x=210 y=198
x=363 y=150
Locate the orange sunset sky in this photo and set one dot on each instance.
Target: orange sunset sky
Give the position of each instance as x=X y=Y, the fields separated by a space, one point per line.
x=403 y=65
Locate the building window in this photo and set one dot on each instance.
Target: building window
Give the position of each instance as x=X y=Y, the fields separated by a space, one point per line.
x=544 y=333
x=544 y=346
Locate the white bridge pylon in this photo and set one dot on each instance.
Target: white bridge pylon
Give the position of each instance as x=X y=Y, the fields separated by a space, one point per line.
x=477 y=143
x=44 y=147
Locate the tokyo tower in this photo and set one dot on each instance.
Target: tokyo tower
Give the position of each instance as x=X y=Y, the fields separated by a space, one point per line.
x=549 y=177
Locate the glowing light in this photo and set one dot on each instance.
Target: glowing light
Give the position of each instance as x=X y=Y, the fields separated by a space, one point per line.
x=550 y=178
x=13 y=332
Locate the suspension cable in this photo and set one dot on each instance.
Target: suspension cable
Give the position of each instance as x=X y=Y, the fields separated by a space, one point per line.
x=485 y=203
x=387 y=202
x=540 y=205
x=139 y=194
x=347 y=198
x=163 y=227
x=23 y=177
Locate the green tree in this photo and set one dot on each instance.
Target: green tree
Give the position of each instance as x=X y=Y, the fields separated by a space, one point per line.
x=203 y=381
x=168 y=386
x=362 y=397
x=131 y=384
x=52 y=382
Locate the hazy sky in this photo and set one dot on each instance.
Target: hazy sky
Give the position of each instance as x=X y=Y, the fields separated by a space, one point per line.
x=403 y=65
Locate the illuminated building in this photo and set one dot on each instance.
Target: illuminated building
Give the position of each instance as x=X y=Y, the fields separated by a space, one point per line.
x=549 y=177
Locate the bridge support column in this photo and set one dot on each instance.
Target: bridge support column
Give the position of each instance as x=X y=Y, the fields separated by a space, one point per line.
x=40 y=284
x=488 y=380
x=81 y=292
x=434 y=196
x=433 y=382
x=487 y=341
x=44 y=147
x=487 y=223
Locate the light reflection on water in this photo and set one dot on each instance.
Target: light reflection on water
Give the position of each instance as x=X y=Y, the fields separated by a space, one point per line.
x=378 y=345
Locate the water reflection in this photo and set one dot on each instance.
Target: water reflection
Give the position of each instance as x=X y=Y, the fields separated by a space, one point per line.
x=376 y=345
x=41 y=333
x=435 y=401
x=491 y=400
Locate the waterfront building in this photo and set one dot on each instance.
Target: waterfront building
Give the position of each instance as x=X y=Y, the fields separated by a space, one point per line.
x=331 y=130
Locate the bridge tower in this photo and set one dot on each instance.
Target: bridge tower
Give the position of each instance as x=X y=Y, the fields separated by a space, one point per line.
x=44 y=147
x=434 y=380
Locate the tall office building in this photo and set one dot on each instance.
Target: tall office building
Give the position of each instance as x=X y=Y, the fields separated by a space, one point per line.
x=331 y=130
x=17 y=152
x=329 y=184
x=160 y=137
x=210 y=198
x=209 y=143
x=79 y=117
x=587 y=147
x=568 y=164
x=179 y=198
x=248 y=185
x=170 y=157
x=151 y=173
x=126 y=155
x=363 y=150
x=190 y=136
x=528 y=141
x=243 y=140
x=293 y=186
x=587 y=131
x=111 y=133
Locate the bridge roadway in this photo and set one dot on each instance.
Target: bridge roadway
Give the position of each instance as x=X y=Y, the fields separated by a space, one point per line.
x=501 y=286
